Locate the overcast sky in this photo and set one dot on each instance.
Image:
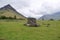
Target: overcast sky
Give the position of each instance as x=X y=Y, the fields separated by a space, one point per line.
x=33 y=8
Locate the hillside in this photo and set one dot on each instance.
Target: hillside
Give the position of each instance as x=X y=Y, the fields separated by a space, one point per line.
x=9 y=11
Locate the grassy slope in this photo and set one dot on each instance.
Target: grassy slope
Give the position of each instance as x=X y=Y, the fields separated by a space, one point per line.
x=15 y=30
x=10 y=13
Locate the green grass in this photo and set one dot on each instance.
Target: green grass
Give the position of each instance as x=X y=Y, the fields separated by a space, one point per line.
x=15 y=30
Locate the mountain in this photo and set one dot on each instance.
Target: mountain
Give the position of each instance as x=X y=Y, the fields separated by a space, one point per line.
x=55 y=16
x=9 y=11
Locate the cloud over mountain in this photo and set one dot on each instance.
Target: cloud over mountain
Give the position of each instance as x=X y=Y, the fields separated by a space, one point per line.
x=33 y=8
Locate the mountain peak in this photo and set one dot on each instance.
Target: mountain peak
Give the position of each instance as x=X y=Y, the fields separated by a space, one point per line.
x=9 y=7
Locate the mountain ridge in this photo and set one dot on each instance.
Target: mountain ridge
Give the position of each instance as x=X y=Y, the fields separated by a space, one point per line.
x=55 y=16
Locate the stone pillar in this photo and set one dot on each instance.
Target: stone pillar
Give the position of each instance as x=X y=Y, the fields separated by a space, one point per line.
x=31 y=22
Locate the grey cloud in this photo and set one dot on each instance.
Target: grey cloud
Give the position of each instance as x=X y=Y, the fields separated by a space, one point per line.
x=33 y=8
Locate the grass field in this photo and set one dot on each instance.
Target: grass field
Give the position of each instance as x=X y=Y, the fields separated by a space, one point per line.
x=15 y=30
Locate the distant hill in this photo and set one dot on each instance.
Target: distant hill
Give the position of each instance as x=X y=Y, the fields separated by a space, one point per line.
x=9 y=11
x=55 y=16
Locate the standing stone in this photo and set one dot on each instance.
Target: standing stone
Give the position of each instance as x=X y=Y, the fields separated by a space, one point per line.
x=31 y=22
